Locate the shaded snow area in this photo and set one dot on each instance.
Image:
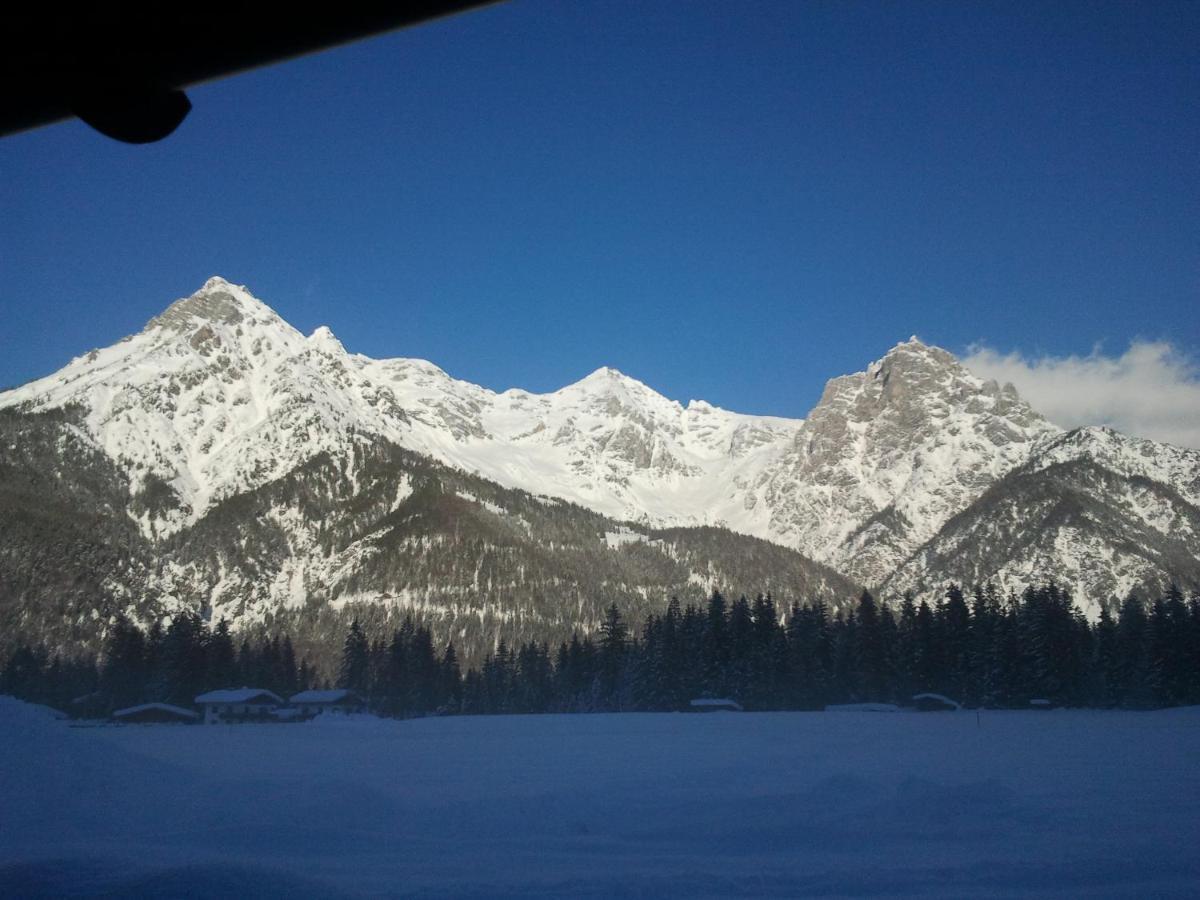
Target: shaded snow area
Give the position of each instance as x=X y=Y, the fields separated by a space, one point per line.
x=1050 y=804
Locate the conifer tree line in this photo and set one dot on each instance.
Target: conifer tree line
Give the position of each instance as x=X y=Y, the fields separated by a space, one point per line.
x=981 y=649
x=169 y=664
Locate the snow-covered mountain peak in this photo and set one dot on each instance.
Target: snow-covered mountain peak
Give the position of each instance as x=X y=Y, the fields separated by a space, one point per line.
x=913 y=353
x=603 y=375
x=218 y=301
x=324 y=339
x=917 y=385
x=890 y=453
x=215 y=395
x=607 y=382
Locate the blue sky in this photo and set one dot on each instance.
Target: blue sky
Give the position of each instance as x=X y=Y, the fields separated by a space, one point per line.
x=726 y=201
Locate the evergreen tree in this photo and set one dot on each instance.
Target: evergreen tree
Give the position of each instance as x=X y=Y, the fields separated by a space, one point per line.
x=905 y=656
x=1135 y=688
x=449 y=681
x=613 y=636
x=739 y=666
x=954 y=643
x=716 y=647
x=845 y=686
x=535 y=677
x=355 y=668
x=809 y=643
x=769 y=662
x=927 y=662
x=983 y=687
x=289 y=675
x=222 y=661
x=1106 y=662
x=870 y=653
x=185 y=658
x=1172 y=633
x=125 y=676
x=423 y=672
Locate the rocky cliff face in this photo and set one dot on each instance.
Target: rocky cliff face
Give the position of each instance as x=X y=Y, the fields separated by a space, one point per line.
x=890 y=454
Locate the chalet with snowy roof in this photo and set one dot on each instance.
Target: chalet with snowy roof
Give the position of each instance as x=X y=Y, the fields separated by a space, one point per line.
x=238 y=705
x=338 y=701
x=157 y=713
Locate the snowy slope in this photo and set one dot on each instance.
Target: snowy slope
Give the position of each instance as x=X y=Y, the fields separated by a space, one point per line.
x=215 y=396
x=607 y=442
x=219 y=396
x=1092 y=509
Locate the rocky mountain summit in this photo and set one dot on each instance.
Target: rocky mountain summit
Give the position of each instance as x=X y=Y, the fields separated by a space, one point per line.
x=890 y=454
x=235 y=464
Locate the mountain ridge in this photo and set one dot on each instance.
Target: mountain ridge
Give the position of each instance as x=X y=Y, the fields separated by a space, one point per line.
x=218 y=397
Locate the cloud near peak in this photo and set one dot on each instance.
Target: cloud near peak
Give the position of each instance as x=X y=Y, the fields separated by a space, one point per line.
x=1151 y=390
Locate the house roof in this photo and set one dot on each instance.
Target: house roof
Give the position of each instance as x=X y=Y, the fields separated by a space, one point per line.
x=239 y=695
x=723 y=703
x=334 y=696
x=941 y=698
x=161 y=707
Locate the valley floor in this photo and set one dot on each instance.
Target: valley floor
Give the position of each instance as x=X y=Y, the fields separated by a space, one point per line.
x=815 y=804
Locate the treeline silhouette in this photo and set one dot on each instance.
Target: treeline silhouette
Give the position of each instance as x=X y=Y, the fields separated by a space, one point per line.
x=980 y=649
x=171 y=664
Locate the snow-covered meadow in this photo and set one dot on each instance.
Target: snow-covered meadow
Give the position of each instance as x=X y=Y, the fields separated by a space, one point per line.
x=817 y=804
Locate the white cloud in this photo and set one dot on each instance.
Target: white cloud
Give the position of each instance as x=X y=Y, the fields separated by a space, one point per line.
x=1151 y=390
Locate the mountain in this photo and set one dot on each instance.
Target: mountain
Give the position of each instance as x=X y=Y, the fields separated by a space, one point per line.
x=371 y=531
x=1092 y=508
x=219 y=395
x=221 y=459
x=890 y=454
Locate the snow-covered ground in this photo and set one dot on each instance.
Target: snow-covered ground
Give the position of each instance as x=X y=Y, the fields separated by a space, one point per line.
x=1031 y=804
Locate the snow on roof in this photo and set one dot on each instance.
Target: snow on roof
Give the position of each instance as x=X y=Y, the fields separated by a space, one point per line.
x=939 y=697
x=238 y=695
x=862 y=707
x=716 y=701
x=333 y=696
x=162 y=707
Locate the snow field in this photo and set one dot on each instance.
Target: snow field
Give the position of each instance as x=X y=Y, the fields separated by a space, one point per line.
x=1064 y=803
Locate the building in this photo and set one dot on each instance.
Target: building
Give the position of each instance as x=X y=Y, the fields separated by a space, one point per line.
x=238 y=705
x=339 y=701
x=157 y=713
